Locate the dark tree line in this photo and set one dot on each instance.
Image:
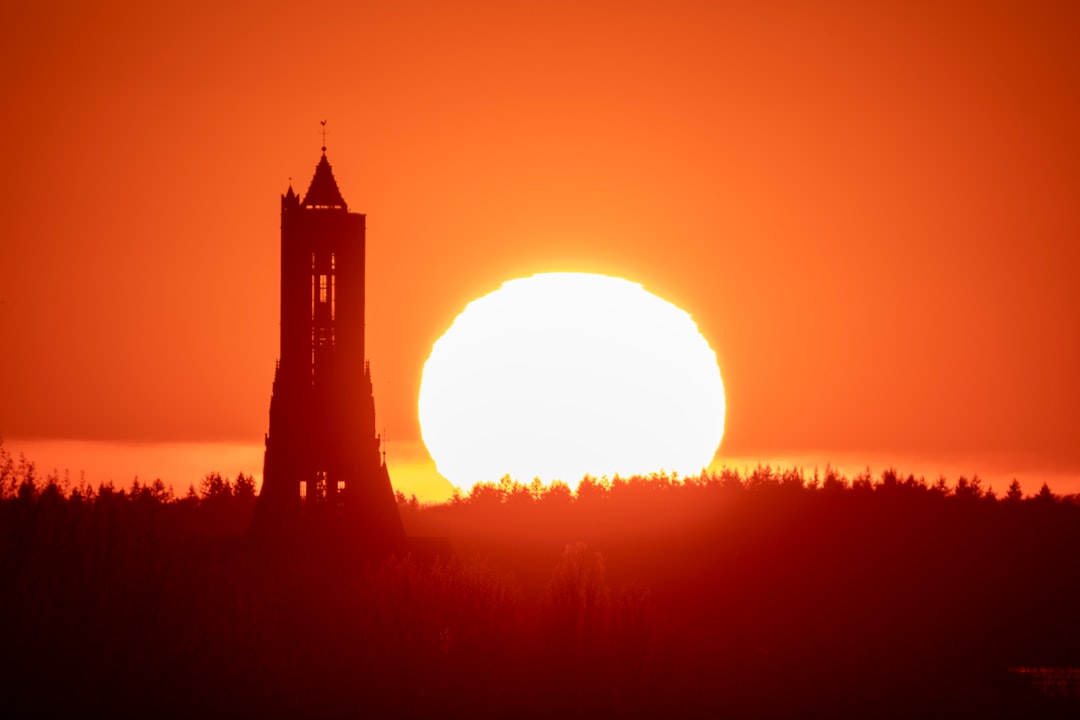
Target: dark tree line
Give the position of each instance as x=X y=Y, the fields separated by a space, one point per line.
x=764 y=594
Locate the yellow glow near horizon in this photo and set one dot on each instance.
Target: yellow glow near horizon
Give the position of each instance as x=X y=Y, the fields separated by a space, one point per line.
x=560 y=375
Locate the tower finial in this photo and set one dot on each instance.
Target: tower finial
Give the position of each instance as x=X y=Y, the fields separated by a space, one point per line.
x=323 y=123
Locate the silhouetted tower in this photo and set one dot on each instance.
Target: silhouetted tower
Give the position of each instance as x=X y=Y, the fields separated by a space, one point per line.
x=323 y=472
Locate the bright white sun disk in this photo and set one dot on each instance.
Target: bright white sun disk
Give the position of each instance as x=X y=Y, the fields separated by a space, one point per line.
x=560 y=375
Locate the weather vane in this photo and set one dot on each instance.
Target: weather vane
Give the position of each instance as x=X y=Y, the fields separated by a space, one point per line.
x=323 y=123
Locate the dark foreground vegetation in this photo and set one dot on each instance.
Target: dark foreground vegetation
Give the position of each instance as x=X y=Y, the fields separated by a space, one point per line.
x=772 y=594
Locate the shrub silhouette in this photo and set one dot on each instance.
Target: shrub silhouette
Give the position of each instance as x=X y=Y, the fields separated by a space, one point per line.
x=579 y=597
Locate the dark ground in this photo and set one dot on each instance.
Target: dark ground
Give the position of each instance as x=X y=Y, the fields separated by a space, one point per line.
x=773 y=595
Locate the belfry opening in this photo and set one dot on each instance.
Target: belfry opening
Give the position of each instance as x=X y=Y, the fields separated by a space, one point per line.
x=324 y=471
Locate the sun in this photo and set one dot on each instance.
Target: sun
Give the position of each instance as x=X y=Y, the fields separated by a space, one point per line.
x=560 y=375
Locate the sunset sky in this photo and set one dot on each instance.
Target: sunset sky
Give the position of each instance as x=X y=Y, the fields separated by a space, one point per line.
x=870 y=209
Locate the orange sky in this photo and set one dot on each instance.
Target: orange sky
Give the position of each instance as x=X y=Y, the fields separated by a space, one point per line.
x=869 y=208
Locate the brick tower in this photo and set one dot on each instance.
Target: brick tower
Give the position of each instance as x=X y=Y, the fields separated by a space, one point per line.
x=324 y=477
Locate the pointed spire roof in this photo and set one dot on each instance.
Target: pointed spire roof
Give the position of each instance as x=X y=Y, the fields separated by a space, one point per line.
x=323 y=191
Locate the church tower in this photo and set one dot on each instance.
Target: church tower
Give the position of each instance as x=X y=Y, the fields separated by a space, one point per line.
x=324 y=476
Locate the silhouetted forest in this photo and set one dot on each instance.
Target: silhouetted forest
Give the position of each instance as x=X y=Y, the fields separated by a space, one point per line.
x=762 y=594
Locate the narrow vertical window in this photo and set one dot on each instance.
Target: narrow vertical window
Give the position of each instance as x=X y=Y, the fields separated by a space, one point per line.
x=322 y=288
x=303 y=490
x=340 y=485
x=333 y=298
x=333 y=262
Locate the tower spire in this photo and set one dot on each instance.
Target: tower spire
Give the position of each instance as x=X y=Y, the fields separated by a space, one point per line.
x=323 y=191
x=323 y=123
